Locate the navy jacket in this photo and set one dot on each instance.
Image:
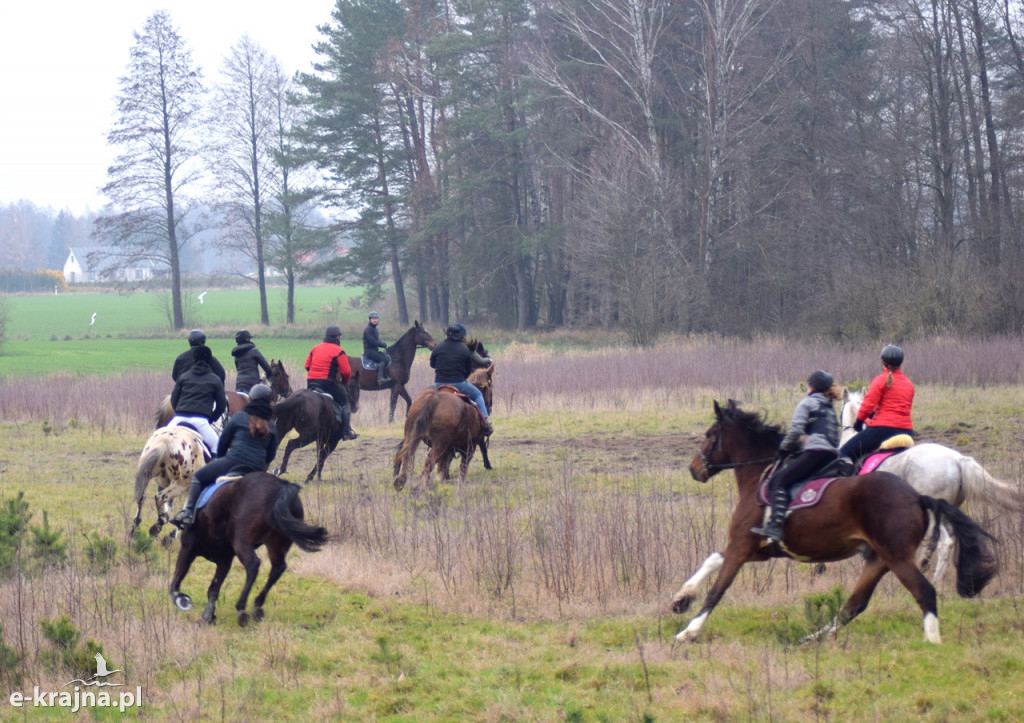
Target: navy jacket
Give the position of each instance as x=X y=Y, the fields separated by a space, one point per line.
x=199 y=393
x=239 y=446
x=248 y=362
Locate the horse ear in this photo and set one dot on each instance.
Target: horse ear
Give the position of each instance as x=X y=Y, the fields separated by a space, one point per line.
x=718 y=410
x=416 y=323
x=846 y=394
x=731 y=406
x=490 y=371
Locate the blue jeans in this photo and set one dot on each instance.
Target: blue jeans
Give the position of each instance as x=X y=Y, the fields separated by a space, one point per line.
x=470 y=391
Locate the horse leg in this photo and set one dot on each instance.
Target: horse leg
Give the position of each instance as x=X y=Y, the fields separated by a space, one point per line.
x=924 y=593
x=251 y=562
x=276 y=555
x=186 y=555
x=213 y=592
x=730 y=566
x=404 y=461
x=874 y=570
x=945 y=551
x=292 y=445
x=394 y=403
x=483 y=452
x=682 y=600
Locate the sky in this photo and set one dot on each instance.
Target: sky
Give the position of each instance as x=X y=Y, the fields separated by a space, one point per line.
x=60 y=61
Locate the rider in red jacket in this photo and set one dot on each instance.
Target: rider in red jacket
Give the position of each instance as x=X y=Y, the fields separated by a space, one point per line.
x=325 y=364
x=885 y=409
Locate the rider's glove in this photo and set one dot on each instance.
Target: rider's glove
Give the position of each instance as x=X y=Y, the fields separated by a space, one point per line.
x=858 y=425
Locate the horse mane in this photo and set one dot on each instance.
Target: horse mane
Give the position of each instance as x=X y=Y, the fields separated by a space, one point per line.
x=753 y=424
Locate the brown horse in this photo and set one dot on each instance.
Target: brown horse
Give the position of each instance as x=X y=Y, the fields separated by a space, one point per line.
x=170 y=457
x=403 y=353
x=279 y=384
x=449 y=425
x=311 y=414
x=878 y=515
x=253 y=510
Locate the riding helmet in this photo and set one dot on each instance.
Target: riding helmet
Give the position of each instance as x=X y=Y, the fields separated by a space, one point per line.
x=462 y=328
x=242 y=337
x=333 y=332
x=196 y=337
x=892 y=356
x=260 y=391
x=374 y=315
x=202 y=353
x=820 y=381
x=454 y=332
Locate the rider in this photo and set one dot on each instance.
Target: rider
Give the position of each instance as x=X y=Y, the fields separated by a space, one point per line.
x=815 y=417
x=885 y=409
x=248 y=444
x=452 y=364
x=183 y=363
x=372 y=346
x=325 y=363
x=198 y=397
x=248 y=362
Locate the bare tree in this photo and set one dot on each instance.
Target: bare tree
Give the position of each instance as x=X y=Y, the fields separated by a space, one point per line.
x=244 y=115
x=157 y=119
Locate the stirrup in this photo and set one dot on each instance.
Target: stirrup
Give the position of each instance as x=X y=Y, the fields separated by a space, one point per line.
x=769 y=532
x=183 y=520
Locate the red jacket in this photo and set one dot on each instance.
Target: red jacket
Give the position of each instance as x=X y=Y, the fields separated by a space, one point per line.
x=890 y=405
x=328 y=361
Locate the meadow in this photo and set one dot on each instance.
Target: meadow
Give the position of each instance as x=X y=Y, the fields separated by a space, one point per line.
x=539 y=590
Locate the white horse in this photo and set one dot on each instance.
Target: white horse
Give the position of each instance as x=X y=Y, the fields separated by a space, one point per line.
x=939 y=472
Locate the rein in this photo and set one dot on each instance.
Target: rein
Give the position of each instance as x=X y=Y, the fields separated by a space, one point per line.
x=712 y=469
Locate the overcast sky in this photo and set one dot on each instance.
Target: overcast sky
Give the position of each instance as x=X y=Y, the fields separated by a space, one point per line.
x=60 y=61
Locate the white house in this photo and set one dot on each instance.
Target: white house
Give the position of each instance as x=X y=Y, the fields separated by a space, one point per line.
x=86 y=264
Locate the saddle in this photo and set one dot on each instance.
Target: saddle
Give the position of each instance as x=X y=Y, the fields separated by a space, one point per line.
x=452 y=390
x=894 y=445
x=335 y=407
x=220 y=482
x=803 y=494
x=370 y=365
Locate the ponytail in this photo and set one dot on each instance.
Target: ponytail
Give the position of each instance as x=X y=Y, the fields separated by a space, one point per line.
x=258 y=427
x=888 y=379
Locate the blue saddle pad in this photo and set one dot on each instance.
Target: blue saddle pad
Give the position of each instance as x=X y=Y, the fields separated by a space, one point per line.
x=209 y=491
x=369 y=364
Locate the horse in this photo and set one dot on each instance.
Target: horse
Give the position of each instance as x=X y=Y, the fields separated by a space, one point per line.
x=253 y=510
x=939 y=472
x=402 y=353
x=171 y=456
x=449 y=426
x=878 y=515
x=311 y=414
x=278 y=381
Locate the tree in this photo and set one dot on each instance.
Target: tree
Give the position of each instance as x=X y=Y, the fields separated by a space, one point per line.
x=245 y=119
x=156 y=128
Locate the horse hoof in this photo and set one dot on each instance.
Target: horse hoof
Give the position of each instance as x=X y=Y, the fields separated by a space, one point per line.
x=243 y=618
x=682 y=604
x=155 y=530
x=399 y=484
x=167 y=540
x=257 y=614
x=819 y=568
x=182 y=601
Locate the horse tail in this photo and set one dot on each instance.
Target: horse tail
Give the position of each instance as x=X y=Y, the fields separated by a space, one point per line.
x=282 y=519
x=976 y=564
x=144 y=473
x=163 y=413
x=979 y=484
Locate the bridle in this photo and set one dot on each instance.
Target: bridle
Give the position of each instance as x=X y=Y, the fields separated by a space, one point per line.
x=711 y=469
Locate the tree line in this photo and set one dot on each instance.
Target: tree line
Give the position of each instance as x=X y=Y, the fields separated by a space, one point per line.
x=843 y=168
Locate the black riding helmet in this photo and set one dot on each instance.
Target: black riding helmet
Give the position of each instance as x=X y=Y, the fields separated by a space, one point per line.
x=892 y=356
x=454 y=332
x=196 y=337
x=260 y=391
x=820 y=381
x=242 y=337
x=332 y=332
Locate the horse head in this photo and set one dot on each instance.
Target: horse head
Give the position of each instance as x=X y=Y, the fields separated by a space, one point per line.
x=422 y=337
x=279 y=382
x=483 y=379
x=736 y=439
x=848 y=414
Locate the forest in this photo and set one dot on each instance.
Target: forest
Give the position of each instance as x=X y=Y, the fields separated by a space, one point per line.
x=822 y=168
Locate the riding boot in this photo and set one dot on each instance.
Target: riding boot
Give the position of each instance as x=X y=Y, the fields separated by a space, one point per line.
x=346 y=424
x=485 y=425
x=382 y=376
x=186 y=517
x=845 y=467
x=773 y=530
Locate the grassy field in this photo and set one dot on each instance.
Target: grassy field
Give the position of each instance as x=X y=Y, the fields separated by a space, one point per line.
x=538 y=591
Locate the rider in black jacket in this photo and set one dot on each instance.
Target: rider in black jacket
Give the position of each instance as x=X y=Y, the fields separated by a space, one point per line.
x=248 y=362
x=183 y=363
x=372 y=346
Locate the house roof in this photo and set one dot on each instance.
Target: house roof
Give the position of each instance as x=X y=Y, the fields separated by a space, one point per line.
x=92 y=258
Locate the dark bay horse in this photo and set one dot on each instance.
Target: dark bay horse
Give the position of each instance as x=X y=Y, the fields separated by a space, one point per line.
x=403 y=353
x=279 y=384
x=311 y=414
x=449 y=425
x=254 y=510
x=878 y=515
